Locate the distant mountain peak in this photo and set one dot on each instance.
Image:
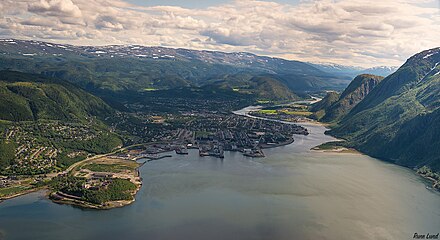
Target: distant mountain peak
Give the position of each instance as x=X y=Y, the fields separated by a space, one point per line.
x=380 y=70
x=337 y=66
x=429 y=53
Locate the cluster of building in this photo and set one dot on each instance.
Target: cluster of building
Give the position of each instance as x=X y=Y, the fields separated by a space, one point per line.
x=36 y=156
x=212 y=133
x=169 y=102
x=8 y=181
x=98 y=181
x=215 y=133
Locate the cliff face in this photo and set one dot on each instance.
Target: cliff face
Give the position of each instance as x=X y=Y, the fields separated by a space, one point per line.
x=358 y=89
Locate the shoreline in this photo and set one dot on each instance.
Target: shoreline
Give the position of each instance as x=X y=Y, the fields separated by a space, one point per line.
x=79 y=203
x=25 y=192
x=288 y=142
x=333 y=147
x=64 y=199
x=249 y=109
x=118 y=204
x=114 y=204
x=338 y=150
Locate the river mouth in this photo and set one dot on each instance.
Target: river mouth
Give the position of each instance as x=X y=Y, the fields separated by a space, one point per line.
x=293 y=193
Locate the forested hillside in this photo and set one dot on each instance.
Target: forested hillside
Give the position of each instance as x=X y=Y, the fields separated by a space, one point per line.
x=399 y=120
x=50 y=122
x=358 y=89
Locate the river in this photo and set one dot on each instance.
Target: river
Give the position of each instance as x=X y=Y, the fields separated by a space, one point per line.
x=293 y=193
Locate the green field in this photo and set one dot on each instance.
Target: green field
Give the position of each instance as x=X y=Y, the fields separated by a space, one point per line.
x=268 y=111
x=114 y=168
x=200 y=134
x=285 y=111
x=298 y=113
x=12 y=190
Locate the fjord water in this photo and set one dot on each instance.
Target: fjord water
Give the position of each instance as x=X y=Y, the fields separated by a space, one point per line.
x=293 y=193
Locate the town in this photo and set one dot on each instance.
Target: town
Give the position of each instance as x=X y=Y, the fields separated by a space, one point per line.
x=34 y=154
x=48 y=150
x=214 y=133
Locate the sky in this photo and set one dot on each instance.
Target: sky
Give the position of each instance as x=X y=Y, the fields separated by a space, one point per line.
x=349 y=32
x=193 y=3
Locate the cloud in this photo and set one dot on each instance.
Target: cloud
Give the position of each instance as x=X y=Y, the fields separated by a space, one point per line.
x=36 y=21
x=55 y=8
x=353 y=32
x=109 y=22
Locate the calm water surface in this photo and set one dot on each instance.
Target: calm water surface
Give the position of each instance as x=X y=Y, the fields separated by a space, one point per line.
x=293 y=193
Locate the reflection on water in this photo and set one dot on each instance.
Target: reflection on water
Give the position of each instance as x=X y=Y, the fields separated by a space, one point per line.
x=293 y=193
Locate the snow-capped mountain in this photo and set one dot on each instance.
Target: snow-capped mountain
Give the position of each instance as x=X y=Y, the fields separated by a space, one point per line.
x=238 y=59
x=160 y=67
x=380 y=70
x=346 y=71
x=353 y=71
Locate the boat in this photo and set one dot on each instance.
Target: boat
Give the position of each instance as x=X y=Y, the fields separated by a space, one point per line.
x=182 y=150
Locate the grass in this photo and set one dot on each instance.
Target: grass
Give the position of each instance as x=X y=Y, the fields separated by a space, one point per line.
x=202 y=134
x=268 y=111
x=12 y=190
x=328 y=146
x=299 y=113
x=114 y=168
x=5 y=121
x=285 y=111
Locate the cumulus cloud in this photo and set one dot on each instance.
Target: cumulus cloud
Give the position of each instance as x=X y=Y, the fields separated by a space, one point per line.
x=55 y=8
x=353 y=32
x=109 y=22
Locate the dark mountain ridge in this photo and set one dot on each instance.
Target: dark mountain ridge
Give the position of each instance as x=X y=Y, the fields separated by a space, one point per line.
x=358 y=89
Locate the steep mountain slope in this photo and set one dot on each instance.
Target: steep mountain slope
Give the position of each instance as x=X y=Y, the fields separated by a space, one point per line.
x=26 y=97
x=117 y=69
x=358 y=89
x=320 y=107
x=398 y=120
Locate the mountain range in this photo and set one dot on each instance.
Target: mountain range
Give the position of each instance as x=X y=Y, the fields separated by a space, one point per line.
x=352 y=71
x=393 y=118
x=398 y=119
x=116 y=68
